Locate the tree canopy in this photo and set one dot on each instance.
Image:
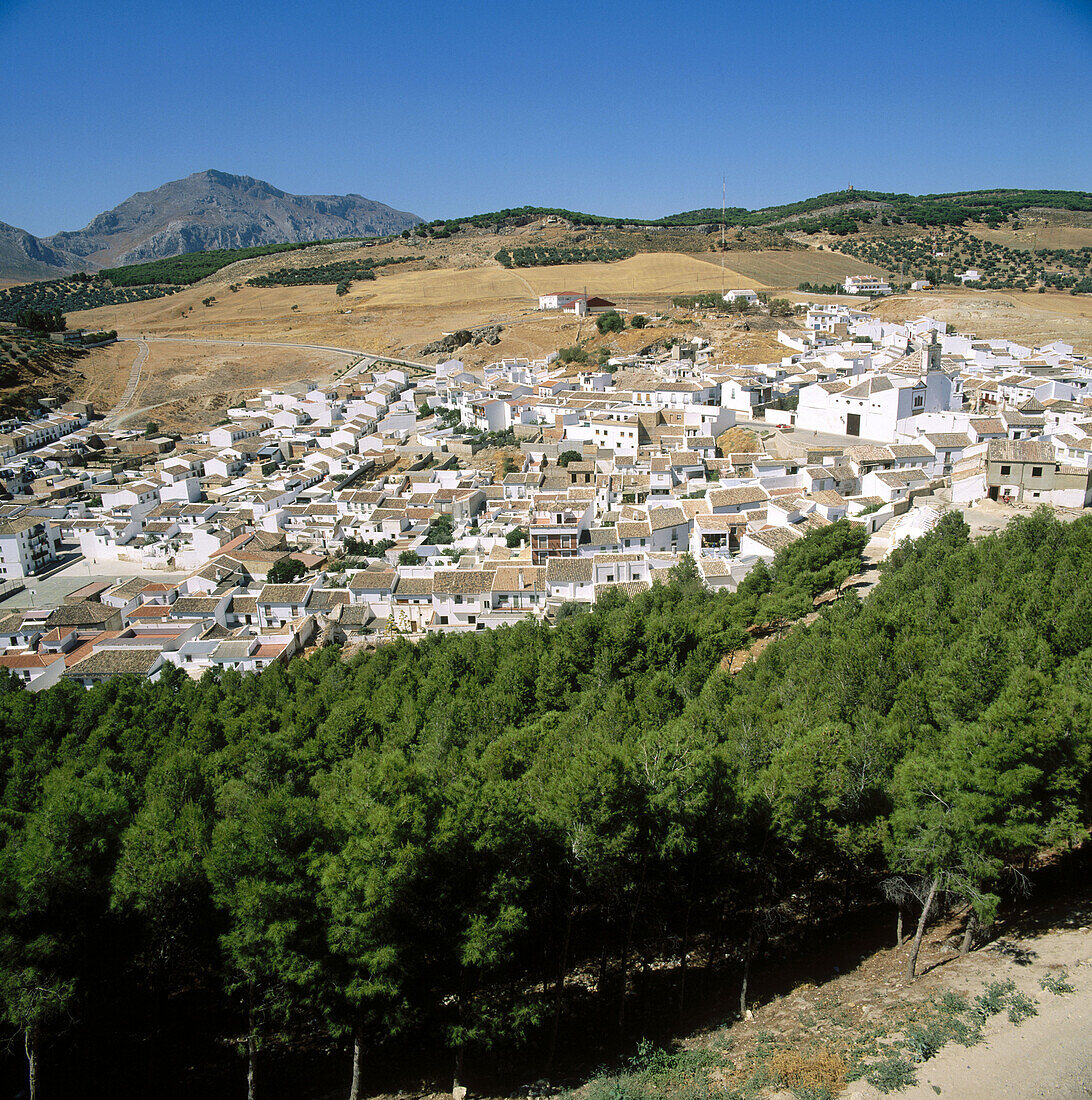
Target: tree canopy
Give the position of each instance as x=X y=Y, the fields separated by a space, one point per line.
x=421 y=847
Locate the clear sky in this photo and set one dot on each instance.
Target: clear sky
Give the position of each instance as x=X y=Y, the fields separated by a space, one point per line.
x=633 y=109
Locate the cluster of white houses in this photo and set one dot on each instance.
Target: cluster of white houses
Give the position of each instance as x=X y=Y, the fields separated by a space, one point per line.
x=402 y=524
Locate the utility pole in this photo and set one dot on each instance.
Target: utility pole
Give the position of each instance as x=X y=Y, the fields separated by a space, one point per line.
x=723 y=186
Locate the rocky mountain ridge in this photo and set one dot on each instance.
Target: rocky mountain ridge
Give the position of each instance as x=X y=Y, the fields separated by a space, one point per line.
x=206 y=210
x=24 y=256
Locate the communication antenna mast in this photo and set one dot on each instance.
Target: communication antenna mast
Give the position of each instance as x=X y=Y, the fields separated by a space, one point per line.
x=723 y=185
x=722 y=242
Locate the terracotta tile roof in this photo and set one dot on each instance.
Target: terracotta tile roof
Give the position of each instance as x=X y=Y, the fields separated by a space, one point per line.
x=462 y=581
x=568 y=570
x=115 y=662
x=414 y=586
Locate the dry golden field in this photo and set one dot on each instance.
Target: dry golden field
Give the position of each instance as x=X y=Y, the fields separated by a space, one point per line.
x=459 y=285
x=1030 y=318
x=786 y=270
x=1039 y=236
x=189 y=386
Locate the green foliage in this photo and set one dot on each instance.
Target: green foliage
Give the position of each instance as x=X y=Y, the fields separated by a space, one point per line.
x=547 y=257
x=574 y=354
x=1058 y=984
x=991 y=207
x=40 y=322
x=440 y=531
x=639 y=320
x=569 y=456
x=709 y=299
x=342 y=273
x=409 y=557
x=191 y=267
x=821 y=288
x=515 y=537
x=892 y=1073
x=286 y=571
x=611 y=321
x=1021 y=1008
x=1001 y=266
x=395 y=844
x=367 y=548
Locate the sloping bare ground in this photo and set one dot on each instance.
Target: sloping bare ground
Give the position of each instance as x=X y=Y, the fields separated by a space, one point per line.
x=1029 y=317
x=190 y=386
x=460 y=286
x=1048 y=1058
x=1048 y=1055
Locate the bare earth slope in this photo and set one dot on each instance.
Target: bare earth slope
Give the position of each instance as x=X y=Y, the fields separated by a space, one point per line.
x=1026 y=317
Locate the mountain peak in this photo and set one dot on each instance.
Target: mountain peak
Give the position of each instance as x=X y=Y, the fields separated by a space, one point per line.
x=205 y=210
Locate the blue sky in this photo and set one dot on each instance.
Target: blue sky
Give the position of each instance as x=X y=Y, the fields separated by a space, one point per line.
x=635 y=109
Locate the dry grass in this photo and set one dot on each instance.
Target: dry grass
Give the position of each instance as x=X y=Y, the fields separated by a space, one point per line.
x=818 y=1069
x=190 y=386
x=1038 y=236
x=737 y=441
x=787 y=270
x=1030 y=318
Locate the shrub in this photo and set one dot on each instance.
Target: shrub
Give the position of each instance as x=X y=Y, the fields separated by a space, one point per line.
x=992 y=1000
x=286 y=571
x=891 y=1074
x=639 y=320
x=40 y=321
x=1058 y=984
x=818 y=1072
x=574 y=354
x=1021 y=1008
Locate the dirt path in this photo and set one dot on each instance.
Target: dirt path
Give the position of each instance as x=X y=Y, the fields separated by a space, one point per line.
x=1047 y=1056
x=131 y=385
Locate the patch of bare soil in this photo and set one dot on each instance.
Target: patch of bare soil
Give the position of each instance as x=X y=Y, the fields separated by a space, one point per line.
x=737 y=440
x=1008 y=1020
x=185 y=387
x=1027 y=317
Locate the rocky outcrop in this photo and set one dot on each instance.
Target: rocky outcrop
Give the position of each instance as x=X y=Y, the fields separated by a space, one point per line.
x=487 y=334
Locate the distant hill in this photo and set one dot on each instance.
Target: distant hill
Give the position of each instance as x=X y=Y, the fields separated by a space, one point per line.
x=24 y=256
x=837 y=209
x=208 y=210
x=833 y=212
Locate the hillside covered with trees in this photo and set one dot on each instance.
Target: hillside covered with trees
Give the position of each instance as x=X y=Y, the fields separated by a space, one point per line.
x=477 y=847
